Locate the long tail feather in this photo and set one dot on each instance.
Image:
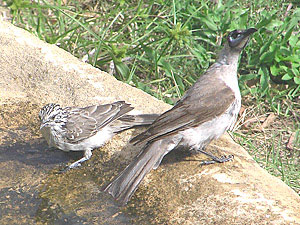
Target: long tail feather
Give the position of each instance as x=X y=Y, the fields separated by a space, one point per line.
x=123 y=187
x=130 y=121
x=141 y=119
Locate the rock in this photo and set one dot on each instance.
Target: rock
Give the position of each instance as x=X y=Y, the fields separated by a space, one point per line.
x=180 y=191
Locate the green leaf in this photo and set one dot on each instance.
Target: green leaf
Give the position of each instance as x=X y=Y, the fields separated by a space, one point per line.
x=266 y=46
x=264 y=80
x=265 y=21
x=165 y=65
x=297 y=80
x=250 y=76
x=150 y=53
x=287 y=77
x=179 y=81
x=285 y=51
x=267 y=57
x=295 y=71
x=209 y=23
x=274 y=70
x=294 y=40
x=122 y=70
x=143 y=87
x=274 y=23
x=244 y=19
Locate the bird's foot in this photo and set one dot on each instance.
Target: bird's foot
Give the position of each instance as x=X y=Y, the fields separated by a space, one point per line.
x=67 y=168
x=78 y=162
x=217 y=160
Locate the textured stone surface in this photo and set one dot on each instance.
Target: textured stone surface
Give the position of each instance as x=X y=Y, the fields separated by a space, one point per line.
x=178 y=192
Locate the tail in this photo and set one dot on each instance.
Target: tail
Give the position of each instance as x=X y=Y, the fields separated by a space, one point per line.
x=129 y=121
x=123 y=187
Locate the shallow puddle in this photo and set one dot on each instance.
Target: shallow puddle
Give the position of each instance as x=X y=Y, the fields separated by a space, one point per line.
x=31 y=190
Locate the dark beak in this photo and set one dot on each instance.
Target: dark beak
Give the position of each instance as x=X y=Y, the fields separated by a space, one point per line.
x=43 y=125
x=249 y=31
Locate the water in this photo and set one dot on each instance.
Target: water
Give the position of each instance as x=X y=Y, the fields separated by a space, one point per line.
x=31 y=190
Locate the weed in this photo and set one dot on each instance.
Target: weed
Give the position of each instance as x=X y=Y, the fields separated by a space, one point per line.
x=162 y=47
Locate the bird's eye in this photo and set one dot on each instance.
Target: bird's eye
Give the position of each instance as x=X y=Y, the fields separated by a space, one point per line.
x=52 y=117
x=235 y=38
x=236 y=35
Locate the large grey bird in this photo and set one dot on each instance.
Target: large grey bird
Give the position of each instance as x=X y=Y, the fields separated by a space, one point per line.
x=205 y=112
x=84 y=129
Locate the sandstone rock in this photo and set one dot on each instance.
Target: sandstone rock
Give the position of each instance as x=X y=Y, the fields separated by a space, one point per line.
x=178 y=192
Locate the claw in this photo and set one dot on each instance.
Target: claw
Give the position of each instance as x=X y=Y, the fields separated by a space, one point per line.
x=67 y=168
x=218 y=160
x=215 y=159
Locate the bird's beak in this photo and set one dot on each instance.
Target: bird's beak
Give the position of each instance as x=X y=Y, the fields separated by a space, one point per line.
x=249 y=31
x=241 y=41
x=43 y=125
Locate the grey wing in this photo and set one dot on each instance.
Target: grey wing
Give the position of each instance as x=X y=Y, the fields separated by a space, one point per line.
x=85 y=122
x=194 y=108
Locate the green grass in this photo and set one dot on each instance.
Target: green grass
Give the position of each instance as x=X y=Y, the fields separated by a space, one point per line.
x=162 y=47
x=268 y=146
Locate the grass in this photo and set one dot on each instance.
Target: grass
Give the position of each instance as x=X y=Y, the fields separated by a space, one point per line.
x=162 y=47
x=268 y=146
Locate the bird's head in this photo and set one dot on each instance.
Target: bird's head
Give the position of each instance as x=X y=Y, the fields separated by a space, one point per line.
x=52 y=115
x=238 y=39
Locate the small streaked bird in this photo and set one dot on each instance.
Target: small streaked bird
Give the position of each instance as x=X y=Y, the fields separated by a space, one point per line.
x=204 y=113
x=84 y=129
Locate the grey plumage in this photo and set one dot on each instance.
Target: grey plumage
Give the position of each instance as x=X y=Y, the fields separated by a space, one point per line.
x=83 y=129
x=205 y=112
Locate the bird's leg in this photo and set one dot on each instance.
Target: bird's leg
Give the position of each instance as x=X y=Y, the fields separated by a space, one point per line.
x=214 y=158
x=87 y=156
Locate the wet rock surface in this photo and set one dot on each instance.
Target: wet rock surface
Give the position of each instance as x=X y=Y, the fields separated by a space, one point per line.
x=178 y=192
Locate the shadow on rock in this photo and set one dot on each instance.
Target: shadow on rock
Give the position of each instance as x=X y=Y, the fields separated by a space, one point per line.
x=37 y=154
